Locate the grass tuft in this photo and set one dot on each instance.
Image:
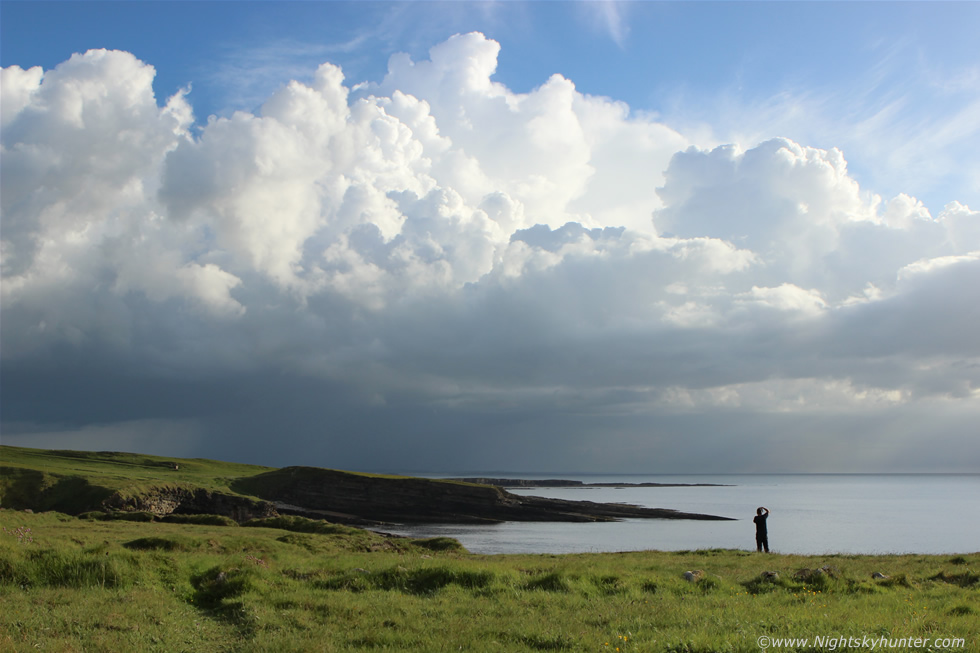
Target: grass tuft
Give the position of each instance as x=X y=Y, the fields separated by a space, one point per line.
x=302 y=525
x=156 y=544
x=442 y=544
x=201 y=520
x=650 y=587
x=550 y=582
x=136 y=515
x=546 y=642
x=220 y=583
x=899 y=580
x=48 y=568
x=966 y=579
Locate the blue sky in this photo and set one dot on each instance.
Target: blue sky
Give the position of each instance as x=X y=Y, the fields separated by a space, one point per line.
x=546 y=236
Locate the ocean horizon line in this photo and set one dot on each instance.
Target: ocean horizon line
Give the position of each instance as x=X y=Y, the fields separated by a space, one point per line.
x=563 y=475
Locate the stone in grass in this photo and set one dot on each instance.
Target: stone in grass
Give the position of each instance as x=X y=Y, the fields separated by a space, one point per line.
x=879 y=575
x=693 y=576
x=810 y=574
x=830 y=571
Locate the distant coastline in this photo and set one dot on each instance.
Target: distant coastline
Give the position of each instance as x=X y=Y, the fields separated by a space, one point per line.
x=563 y=483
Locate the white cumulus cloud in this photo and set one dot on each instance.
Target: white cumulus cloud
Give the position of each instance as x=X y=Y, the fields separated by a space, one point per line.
x=436 y=250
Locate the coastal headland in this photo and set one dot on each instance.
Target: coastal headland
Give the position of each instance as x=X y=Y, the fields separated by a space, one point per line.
x=76 y=482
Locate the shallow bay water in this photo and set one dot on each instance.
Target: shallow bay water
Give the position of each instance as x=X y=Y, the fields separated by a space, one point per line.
x=811 y=514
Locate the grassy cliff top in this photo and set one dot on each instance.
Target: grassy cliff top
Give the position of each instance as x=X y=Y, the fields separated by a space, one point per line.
x=117 y=469
x=74 y=482
x=70 y=481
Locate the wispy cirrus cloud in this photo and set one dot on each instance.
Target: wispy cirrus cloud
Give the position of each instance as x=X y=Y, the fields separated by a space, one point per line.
x=610 y=16
x=243 y=77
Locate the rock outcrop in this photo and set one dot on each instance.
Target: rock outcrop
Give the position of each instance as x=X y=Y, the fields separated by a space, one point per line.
x=183 y=501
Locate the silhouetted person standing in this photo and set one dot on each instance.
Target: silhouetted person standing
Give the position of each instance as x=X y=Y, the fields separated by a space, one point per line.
x=761 y=532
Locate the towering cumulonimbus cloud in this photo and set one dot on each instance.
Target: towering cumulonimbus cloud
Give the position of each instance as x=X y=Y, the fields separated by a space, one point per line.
x=438 y=240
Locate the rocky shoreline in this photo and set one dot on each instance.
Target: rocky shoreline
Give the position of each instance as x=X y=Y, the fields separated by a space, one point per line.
x=562 y=483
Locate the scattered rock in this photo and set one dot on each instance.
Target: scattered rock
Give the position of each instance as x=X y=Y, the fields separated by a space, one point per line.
x=693 y=576
x=806 y=574
x=809 y=574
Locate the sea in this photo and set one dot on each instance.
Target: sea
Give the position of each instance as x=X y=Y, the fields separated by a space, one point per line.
x=812 y=514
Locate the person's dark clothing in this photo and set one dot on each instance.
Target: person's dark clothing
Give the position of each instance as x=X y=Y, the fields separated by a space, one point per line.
x=761 y=532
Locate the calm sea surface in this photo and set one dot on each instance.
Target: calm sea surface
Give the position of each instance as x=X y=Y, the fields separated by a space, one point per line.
x=811 y=514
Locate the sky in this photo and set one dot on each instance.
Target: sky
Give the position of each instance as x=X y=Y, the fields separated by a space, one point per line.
x=644 y=237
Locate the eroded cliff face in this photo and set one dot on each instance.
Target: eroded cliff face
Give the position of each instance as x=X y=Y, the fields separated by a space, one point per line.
x=349 y=497
x=163 y=501
x=355 y=498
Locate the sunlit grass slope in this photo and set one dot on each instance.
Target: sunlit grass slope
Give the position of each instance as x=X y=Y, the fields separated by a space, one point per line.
x=292 y=584
x=73 y=481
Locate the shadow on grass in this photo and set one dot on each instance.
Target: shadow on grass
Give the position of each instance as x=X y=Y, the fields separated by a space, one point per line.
x=38 y=491
x=156 y=544
x=966 y=579
x=546 y=643
x=418 y=582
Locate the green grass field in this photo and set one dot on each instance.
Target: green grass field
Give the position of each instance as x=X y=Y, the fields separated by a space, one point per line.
x=290 y=584
x=132 y=581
